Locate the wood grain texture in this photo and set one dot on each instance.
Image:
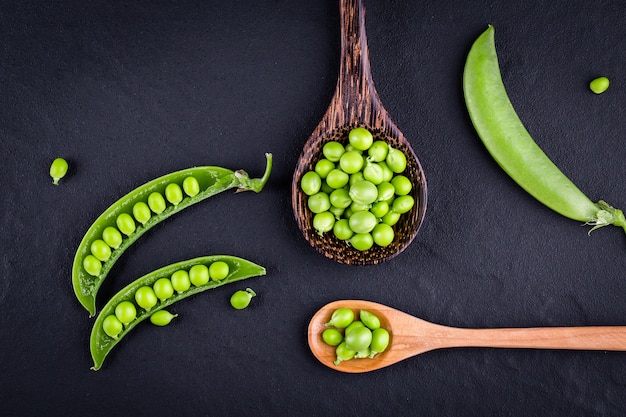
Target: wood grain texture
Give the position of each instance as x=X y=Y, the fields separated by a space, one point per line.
x=356 y=103
x=411 y=336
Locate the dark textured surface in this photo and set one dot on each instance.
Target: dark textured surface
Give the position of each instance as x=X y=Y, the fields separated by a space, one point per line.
x=129 y=91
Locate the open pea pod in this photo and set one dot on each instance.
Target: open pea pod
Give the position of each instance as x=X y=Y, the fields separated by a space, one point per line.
x=138 y=211
x=101 y=343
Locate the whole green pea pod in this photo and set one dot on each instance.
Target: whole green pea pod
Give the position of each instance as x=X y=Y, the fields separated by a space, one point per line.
x=138 y=211
x=512 y=147
x=102 y=342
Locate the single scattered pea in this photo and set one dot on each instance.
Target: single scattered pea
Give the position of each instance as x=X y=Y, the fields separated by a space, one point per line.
x=599 y=85
x=241 y=299
x=218 y=270
x=58 y=169
x=162 y=318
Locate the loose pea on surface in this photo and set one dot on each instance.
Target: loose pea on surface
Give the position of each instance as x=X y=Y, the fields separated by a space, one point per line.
x=599 y=85
x=162 y=318
x=125 y=312
x=145 y=297
x=191 y=186
x=241 y=299
x=199 y=275
x=173 y=193
x=112 y=237
x=156 y=202
x=141 y=212
x=218 y=270
x=100 y=250
x=112 y=326
x=180 y=281
x=163 y=288
x=58 y=169
x=126 y=224
x=92 y=265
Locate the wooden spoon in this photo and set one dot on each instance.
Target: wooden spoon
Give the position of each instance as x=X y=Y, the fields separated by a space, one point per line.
x=356 y=103
x=410 y=336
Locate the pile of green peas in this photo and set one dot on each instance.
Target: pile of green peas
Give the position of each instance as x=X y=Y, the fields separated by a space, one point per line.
x=126 y=224
x=362 y=338
x=147 y=297
x=358 y=191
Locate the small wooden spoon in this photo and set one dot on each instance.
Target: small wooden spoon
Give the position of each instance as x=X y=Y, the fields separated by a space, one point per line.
x=354 y=104
x=410 y=336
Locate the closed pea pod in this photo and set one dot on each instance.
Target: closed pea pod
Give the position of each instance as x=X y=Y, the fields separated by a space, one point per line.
x=211 y=180
x=512 y=147
x=101 y=342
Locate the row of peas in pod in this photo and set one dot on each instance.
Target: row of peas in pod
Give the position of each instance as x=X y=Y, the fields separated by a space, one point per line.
x=355 y=339
x=358 y=191
x=142 y=212
x=147 y=297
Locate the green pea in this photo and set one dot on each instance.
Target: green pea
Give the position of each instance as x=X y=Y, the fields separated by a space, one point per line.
x=380 y=341
x=353 y=325
x=199 y=275
x=58 y=169
x=369 y=319
x=362 y=241
x=333 y=151
x=360 y=138
x=173 y=193
x=356 y=177
x=362 y=222
x=341 y=318
x=141 y=212
x=383 y=234
x=112 y=326
x=342 y=230
x=379 y=209
x=156 y=202
x=241 y=299
x=340 y=198
x=319 y=202
x=112 y=237
x=218 y=270
x=387 y=172
x=323 y=222
x=599 y=85
x=363 y=192
x=125 y=312
x=92 y=265
x=332 y=337
x=401 y=184
x=311 y=183
x=337 y=211
x=396 y=160
x=358 y=339
x=100 y=250
x=162 y=318
x=191 y=186
x=351 y=162
x=336 y=178
x=378 y=151
x=180 y=281
x=403 y=204
x=163 y=288
x=323 y=167
x=373 y=173
x=145 y=297
x=362 y=354
x=343 y=353
x=391 y=218
x=386 y=191
x=126 y=224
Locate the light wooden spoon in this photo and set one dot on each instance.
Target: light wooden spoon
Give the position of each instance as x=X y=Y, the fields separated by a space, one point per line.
x=410 y=336
x=356 y=103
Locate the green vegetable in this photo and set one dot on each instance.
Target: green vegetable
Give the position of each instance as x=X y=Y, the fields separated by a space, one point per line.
x=510 y=144
x=58 y=169
x=360 y=138
x=599 y=85
x=369 y=319
x=332 y=337
x=102 y=342
x=241 y=299
x=89 y=272
x=162 y=318
x=341 y=318
x=344 y=353
x=380 y=341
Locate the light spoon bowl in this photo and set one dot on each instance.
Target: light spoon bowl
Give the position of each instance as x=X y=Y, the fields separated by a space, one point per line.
x=411 y=336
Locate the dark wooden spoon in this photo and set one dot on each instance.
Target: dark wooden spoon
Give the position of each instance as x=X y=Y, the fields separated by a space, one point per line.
x=354 y=104
x=410 y=336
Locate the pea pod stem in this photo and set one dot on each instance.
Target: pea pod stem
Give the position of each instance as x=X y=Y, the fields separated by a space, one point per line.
x=512 y=147
x=101 y=344
x=213 y=180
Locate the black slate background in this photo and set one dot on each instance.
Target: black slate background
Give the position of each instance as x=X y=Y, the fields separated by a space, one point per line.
x=131 y=90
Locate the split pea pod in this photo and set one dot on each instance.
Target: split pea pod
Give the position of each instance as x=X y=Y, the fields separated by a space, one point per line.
x=512 y=147
x=138 y=211
x=104 y=336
